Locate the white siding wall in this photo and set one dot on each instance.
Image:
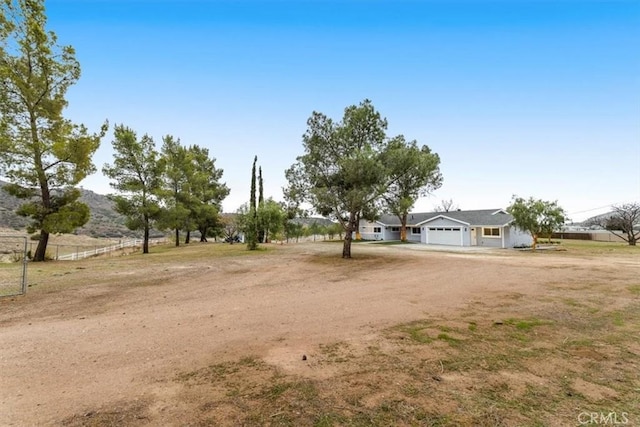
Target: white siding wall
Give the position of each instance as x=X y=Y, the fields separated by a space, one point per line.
x=414 y=237
x=491 y=241
x=367 y=230
x=389 y=234
x=517 y=238
x=442 y=222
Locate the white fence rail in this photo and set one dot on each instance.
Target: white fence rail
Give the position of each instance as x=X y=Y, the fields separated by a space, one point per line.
x=107 y=249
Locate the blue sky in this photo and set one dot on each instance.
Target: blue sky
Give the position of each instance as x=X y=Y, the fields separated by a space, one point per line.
x=534 y=98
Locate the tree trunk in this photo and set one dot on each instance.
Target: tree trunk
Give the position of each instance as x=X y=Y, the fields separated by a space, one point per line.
x=403 y=228
x=348 y=236
x=187 y=238
x=535 y=242
x=41 y=250
x=203 y=234
x=177 y=237
x=145 y=242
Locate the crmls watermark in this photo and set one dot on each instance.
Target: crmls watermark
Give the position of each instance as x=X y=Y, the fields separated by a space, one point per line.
x=603 y=418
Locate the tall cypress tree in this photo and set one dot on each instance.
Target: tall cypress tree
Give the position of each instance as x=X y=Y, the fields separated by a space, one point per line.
x=252 y=223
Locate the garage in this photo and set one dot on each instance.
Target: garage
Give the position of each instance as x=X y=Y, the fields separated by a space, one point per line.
x=444 y=236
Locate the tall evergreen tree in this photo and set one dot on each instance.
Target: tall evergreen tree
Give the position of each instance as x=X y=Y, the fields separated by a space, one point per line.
x=175 y=190
x=42 y=154
x=207 y=192
x=137 y=173
x=252 y=221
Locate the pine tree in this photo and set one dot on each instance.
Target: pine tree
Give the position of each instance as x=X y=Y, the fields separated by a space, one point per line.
x=42 y=154
x=137 y=176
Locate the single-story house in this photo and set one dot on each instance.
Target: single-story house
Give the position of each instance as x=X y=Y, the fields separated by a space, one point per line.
x=486 y=227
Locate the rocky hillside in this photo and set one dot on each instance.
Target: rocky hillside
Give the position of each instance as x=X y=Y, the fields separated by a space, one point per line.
x=104 y=222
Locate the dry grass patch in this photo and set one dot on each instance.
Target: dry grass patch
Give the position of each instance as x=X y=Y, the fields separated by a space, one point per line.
x=162 y=262
x=127 y=414
x=589 y=247
x=527 y=371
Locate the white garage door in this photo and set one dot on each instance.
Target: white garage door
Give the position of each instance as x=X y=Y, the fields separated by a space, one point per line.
x=444 y=236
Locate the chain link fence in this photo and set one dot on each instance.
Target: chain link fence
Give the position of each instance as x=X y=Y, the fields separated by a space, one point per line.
x=13 y=265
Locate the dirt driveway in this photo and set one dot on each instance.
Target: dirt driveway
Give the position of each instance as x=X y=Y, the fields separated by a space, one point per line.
x=118 y=335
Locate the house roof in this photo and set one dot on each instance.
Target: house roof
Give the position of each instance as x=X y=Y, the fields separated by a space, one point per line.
x=488 y=217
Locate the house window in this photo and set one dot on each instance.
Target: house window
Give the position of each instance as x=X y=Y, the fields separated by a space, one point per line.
x=415 y=230
x=395 y=228
x=491 y=231
x=377 y=229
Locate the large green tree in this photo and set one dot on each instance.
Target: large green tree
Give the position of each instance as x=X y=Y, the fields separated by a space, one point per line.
x=272 y=217
x=42 y=154
x=343 y=170
x=175 y=191
x=137 y=175
x=536 y=217
x=206 y=191
x=414 y=172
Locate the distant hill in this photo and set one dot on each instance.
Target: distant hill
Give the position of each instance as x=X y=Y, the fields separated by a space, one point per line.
x=104 y=222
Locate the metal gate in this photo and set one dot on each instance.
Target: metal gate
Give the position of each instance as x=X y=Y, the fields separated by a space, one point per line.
x=13 y=265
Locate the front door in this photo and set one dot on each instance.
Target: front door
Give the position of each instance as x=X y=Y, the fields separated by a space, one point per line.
x=474 y=237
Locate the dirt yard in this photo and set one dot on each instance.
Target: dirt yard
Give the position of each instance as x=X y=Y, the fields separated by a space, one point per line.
x=191 y=336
